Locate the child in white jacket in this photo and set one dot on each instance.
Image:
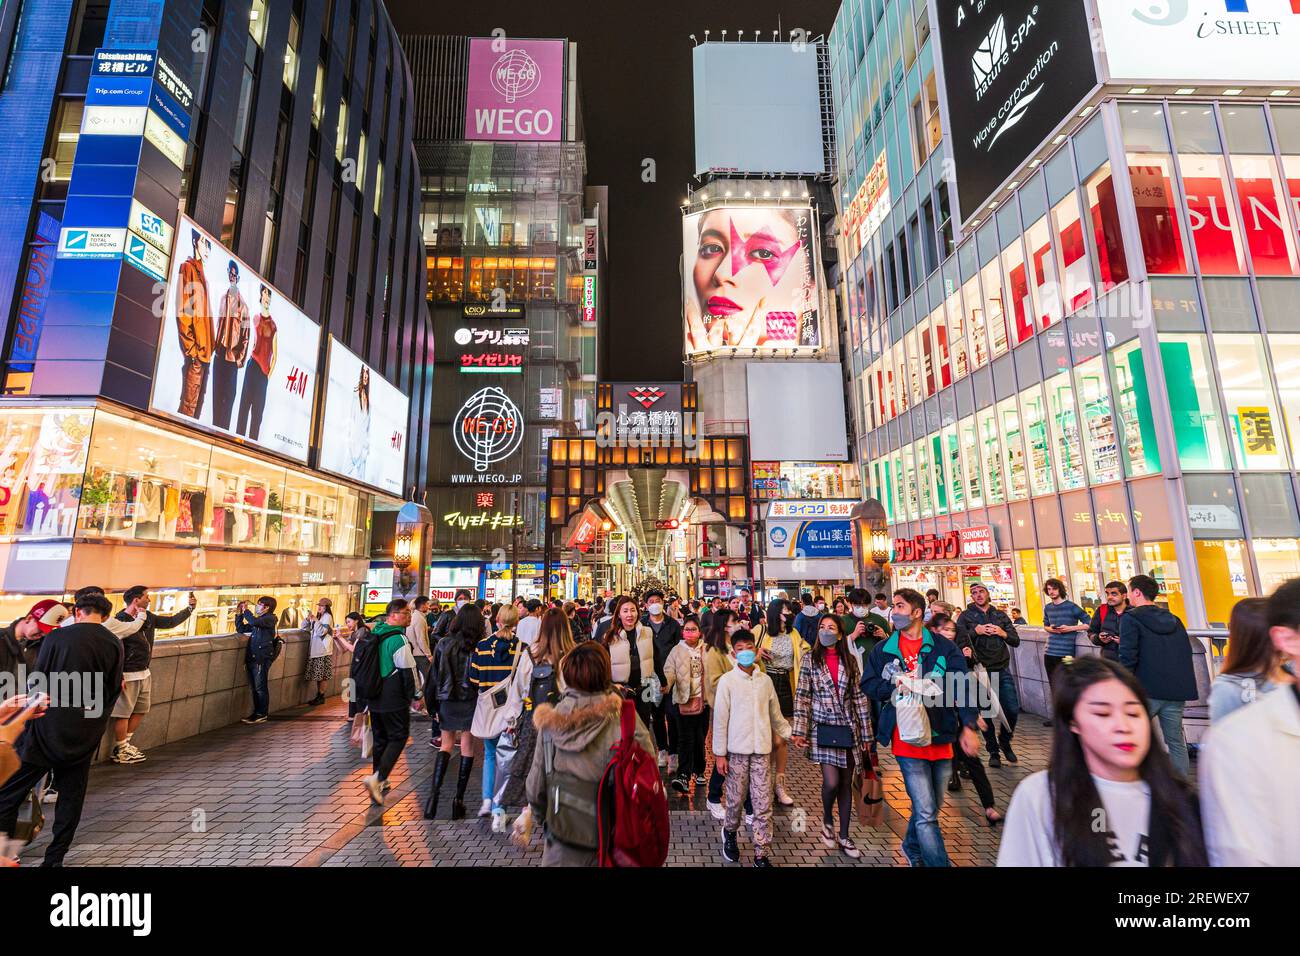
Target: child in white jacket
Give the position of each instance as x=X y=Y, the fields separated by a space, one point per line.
x=746 y=719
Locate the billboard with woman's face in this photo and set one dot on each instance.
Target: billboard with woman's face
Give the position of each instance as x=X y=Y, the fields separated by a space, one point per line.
x=364 y=432
x=750 y=275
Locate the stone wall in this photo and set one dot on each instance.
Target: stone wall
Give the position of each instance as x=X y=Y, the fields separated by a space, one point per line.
x=1035 y=695
x=200 y=684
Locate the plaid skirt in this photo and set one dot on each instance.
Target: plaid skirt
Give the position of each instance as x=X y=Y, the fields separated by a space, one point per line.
x=833 y=756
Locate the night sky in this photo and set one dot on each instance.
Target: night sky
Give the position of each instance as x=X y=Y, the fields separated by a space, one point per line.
x=634 y=64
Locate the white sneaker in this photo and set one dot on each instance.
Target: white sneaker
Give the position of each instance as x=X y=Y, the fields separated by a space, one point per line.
x=373 y=786
x=50 y=795
x=486 y=808
x=663 y=759
x=499 y=820
x=125 y=753
x=718 y=811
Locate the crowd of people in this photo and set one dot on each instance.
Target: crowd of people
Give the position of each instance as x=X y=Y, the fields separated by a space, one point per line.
x=536 y=691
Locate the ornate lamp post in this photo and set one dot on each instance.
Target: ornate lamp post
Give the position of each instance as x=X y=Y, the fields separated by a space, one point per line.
x=872 y=545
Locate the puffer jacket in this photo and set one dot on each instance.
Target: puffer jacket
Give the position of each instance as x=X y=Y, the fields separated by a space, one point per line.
x=450 y=676
x=584 y=728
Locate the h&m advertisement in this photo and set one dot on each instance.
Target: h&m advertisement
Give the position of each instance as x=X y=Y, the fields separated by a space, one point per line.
x=750 y=276
x=1012 y=72
x=234 y=354
x=364 y=431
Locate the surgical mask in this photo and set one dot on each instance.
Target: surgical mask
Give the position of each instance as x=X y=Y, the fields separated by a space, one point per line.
x=746 y=657
x=460 y=604
x=259 y=609
x=901 y=622
x=821 y=606
x=828 y=638
x=859 y=611
x=655 y=609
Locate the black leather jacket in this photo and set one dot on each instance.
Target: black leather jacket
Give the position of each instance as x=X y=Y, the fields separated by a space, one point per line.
x=990 y=650
x=451 y=669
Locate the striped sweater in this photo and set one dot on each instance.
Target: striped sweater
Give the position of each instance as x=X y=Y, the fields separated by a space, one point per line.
x=492 y=659
x=1063 y=615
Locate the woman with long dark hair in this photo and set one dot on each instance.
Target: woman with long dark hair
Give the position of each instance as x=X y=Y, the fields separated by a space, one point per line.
x=631 y=653
x=1108 y=797
x=449 y=682
x=1254 y=664
x=832 y=719
x=780 y=654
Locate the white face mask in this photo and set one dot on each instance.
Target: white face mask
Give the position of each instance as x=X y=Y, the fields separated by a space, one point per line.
x=859 y=611
x=655 y=609
x=460 y=604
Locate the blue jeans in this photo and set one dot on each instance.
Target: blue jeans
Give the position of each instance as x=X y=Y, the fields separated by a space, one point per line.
x=1170 y=715
x=258 y=670
x=1009 y=698
x=490 y=770
x=925 y=781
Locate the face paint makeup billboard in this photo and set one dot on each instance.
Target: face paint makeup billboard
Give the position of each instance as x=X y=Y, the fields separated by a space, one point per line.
x=750 y=279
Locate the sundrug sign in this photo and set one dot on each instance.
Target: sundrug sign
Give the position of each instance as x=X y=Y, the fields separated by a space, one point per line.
x=1202 y=41
x=515 y=91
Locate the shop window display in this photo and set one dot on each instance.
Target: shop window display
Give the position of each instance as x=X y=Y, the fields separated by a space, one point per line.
x=43 y=455
x=1136 y=428
x=1085 y=578
x=1278 y=560
x=1033 y=410
x=1253 y=419
x=1198 y=429
x=1159 y=562
x=951 y=445
x=924 y=479
x=976 y=323
x=1031 y=586
x=994 y=308
x=971 y=463
x=1100 y=441
x=991 y=443
x=939 y=460
x=1046 y=286
x=1051 y=561
x=1286 y=370
x=1210 y=206
x=1260 y=192
x=1107 y=235
x=1150 y=170
x=1225 y=577
x=1021 y=310
x=957 y=337
x=1072 y=254
x=1065 y=432
x=1013 y=448
x=911 y=490
x=1117 y=564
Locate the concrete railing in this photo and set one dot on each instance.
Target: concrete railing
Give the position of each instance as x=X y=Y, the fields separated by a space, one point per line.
x=1036 y=695
x=200 y=684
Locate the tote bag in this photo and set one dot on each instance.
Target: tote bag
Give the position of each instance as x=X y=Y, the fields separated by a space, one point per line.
x=497 y=706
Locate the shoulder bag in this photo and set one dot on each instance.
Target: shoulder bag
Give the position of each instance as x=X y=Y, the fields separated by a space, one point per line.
x=492 y=711
x=834 y=736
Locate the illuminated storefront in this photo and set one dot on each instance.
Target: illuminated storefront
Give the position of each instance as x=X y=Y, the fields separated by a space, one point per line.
x=1101 y=423
x=98 y=494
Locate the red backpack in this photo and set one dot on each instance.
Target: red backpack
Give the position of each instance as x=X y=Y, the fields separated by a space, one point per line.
x=632 y=793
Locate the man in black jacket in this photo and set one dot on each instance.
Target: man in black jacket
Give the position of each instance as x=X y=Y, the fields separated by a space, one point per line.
x=667 y=635
x=137 y=684
x=990 y=635
x=259 y=624
x=1104 y=629
x=80 y=667
x=1154 y=645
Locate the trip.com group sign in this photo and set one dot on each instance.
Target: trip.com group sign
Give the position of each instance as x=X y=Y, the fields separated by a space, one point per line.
x=515 y=91
x=1013 y=70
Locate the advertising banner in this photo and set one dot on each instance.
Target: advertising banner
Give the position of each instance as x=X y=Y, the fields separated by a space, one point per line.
x=809 y=539
x=584 y=535
x=234 y=355
x=1201 y=41
x=618 y=547
x=750 y=277
x=870 y=205
x=363 y=434
x=1013 y=71
x=491 y=349
x=515 y=91
x=811 y=509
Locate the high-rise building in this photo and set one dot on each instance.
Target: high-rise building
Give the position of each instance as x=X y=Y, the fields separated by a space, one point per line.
x=1070 y=272
x=215 y=341
x=515 y=244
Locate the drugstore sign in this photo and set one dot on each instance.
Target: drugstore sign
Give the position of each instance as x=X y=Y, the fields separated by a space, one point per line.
x=960 y=544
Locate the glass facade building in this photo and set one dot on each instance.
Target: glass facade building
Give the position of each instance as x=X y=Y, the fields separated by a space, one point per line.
x=1101 y=368
x=283 y=130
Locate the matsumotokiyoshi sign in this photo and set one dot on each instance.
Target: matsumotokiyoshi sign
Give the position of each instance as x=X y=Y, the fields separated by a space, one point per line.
x=1202 y=41
x=1012 y=72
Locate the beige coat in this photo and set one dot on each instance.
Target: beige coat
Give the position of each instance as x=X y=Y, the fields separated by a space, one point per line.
x=716 y=664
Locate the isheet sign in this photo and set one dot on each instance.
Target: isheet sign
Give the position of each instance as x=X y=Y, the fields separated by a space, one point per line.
x=1013 y=70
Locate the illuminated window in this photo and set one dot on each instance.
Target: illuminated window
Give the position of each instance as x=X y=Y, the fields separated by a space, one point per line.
x=1072 y=255
x=971 y=463
x=1198 y=430
x=1159 y=562
x=991 y=445
x=1210 y=207
x=1107 y=235
x=975 y=323
x=1033 y=410
x=1065 y=432
x=1021 y=309
x=1253 y=419
x=996 y=315
x=957 y=337
x=1260 y=192
x=1100 y=441
x=1150 y=170
x=1013 y=450
x=1225 y=577
x=1136 y=427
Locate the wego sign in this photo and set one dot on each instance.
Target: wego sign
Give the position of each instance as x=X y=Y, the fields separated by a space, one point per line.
x=489 y=428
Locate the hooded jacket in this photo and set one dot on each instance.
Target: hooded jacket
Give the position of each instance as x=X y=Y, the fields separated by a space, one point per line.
x=584 y=728
x=990 y=650
x=261 y=634
x=806 y=624
x=938 y=657
x=1154 y=645
x=396 y=670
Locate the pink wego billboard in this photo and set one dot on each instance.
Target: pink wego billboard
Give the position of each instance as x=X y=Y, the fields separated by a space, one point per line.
x=515 y=91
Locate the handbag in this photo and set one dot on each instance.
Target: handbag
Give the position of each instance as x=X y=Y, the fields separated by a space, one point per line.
x=868 y=798
x=835 y=736
x=31 y=817
x=493 y=711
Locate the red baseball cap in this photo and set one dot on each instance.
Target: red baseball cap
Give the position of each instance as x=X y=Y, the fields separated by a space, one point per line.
x=49 y=614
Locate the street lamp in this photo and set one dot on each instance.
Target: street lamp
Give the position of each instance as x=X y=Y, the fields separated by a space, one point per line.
x=872 y=544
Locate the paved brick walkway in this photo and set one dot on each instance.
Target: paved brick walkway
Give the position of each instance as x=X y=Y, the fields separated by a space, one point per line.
x=289 y=793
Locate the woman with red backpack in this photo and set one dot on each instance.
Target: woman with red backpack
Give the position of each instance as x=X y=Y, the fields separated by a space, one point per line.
x=575 y=737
